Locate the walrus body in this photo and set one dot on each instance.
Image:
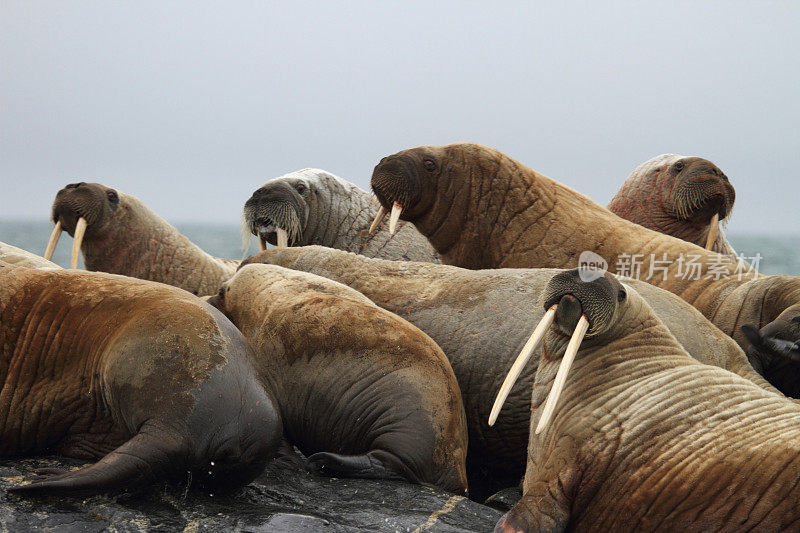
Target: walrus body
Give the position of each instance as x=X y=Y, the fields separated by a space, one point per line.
x=685 y=197
x=123 y=236
x=481 y=209
x=645 y=438
x=315 y=207
x=362 y=392
x=19 y=257
x=145 y=377
x=481 y=319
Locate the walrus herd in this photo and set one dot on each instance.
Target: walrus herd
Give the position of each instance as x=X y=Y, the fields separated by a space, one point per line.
x=659 y=398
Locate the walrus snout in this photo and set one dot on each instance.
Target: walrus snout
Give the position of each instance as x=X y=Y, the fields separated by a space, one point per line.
x=596 y=299
x=702 y=190
x=276 y=213
x=395 y=180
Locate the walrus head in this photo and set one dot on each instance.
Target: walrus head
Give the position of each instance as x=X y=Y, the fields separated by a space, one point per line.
x=78 y=208
x=575 y=309
x=405 y=182
x=700 y=191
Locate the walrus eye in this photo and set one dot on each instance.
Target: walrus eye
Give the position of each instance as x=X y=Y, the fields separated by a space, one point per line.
x=300 y=188
x=429 y=165
x=678 y=166
x=621 y=295
x=112 y=197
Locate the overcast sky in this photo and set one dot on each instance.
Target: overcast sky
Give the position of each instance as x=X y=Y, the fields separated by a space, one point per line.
x=192 y=105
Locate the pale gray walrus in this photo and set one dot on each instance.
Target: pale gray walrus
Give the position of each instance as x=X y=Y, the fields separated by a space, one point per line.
x=118 y=234
x=481 y=320
x=19 y=257
x=481 y=209
x=686 y=197
x=636 y=435
x=311 y=206
x=146 y=378
x=361 y=391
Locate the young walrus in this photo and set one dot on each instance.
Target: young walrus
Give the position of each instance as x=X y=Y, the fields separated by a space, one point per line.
x=686 y=197
x=118 y=234
x=481 y=319
x=146 y=378
x=362 y=392
x=481 y=209
x=311 y=206
x=635 y=435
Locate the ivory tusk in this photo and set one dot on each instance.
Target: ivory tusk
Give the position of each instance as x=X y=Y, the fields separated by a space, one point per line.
x=712 y=232
x=519 y=363
x=394 y=217
x=51 y=244
x=262 y=244
x=80 y=229
x=561 y=376
x=283 y=238
x=378 y=218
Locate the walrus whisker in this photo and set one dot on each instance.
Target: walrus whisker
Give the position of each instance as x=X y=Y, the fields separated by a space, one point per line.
x=712 y=232
x=80 y=230
x=394 y=217
x=519 y=363
x=378 y=218
x=561 y=376
x=51 y=244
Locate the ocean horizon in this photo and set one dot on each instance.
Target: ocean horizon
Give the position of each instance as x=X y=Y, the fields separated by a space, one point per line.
x=778 y=254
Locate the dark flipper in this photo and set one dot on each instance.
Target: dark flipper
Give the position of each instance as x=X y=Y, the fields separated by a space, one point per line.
x=371 y=465
x=773 y=345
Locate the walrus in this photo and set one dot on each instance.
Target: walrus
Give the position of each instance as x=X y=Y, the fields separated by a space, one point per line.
x=686 y=197
x=362 y=392
x=148 y=379
x=312 y=206
x=636 y=435
x=481 y=209
x=119 y=234
x=19 y=257
x=481 y=319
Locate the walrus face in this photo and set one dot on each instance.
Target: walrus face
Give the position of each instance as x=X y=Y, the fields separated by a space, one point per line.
x=277 y=212
x=701 y=190
x=577 y=309
x=404 y=183
x=78 y=208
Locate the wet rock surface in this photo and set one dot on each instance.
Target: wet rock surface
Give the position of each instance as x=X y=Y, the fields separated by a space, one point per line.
x=279 y=500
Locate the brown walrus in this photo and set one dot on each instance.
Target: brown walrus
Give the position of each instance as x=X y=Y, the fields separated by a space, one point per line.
x=146 y=378
x=481 y=209
x=361 y=391
x=686 y=197
x=311 y=206
x=635 y=435
x=481 y=319
x=118 y=234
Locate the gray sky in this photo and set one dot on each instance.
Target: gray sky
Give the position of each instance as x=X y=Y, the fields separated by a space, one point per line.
x=192 y=105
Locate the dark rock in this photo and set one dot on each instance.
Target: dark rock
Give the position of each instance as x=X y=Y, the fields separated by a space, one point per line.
x=279 y=500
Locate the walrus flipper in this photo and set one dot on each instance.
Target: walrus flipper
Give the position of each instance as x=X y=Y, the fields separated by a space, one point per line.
x=376 y=464
x=137 y=463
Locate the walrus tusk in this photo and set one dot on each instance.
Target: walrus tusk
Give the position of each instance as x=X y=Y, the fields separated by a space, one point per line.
x=51 y=244
x=561 y=375
x=378 y=218
x=394 y=217
x=712 y=232
x=519 y=363
x=80 y=229
x=262 y=244
x=283 y=238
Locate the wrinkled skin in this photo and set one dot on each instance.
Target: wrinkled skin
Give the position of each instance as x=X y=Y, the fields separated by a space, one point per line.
x=645 y=438
x=481 y=209
x=146 y=378
x=125 y=237
x=677 y=196
x=316 y=207
x=362 y=392
x=19 y=257
x=481 y=320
